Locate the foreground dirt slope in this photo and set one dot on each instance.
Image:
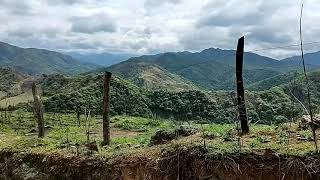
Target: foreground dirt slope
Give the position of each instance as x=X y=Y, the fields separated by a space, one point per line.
x=183 y=163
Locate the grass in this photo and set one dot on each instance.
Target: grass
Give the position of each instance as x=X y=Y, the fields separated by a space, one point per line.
x=132 y=134
x=21 y=98
x=2 y=94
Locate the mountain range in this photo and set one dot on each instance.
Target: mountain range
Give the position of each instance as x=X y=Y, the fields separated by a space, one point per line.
x=210 y=69
x=39 y=61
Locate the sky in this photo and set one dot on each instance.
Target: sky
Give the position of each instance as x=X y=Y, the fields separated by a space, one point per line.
x=156 y=26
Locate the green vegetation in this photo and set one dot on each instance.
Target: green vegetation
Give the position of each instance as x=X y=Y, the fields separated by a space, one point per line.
x=38 y=61
x=210 y=69
x=85 y=92
x=65 y=134
x=154 y=77
x=77 y=94
x=8 y=79
x=219 y=107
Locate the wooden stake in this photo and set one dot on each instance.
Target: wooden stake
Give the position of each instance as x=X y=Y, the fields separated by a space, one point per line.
x=38 y=110
x=106 y=108
x=240 y=88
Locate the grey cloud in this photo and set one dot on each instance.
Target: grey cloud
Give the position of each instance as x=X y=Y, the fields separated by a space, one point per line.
x=269 y=35
x=16 y=7
x=64 y=2
x=93 y=24
x=152 y=26
x=235 y=12
x=202 y=38
x=155 y=3
x=225 y=20
x=23 y=32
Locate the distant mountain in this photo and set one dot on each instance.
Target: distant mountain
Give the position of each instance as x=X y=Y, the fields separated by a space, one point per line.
x=211 y=69
x=311 y=59
x=103 y=59
x=39 y=61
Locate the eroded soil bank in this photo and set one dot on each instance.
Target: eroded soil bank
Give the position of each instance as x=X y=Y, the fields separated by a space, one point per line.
x=183 y=163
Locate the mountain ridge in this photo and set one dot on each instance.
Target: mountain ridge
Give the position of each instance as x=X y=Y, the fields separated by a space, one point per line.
x=35 y=61
x=210 y=69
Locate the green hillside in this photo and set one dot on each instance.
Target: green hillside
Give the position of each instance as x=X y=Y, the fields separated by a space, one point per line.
x=273 y=105
x=84 y=92
x=8 y=78
x=10 y=82
x=154 y=77
x=210 y=69
x=38 y=61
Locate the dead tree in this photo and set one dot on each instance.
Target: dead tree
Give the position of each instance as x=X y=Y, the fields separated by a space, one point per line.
x=313 y=125
x=106 y=108
x=38 y=111
x=240 y=88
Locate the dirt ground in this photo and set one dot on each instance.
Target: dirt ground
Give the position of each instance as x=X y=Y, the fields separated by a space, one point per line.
x=181 y=163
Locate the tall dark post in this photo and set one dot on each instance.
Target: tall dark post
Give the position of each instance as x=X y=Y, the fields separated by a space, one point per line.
x=106 y=108
x=240 y=89
x=38 y=111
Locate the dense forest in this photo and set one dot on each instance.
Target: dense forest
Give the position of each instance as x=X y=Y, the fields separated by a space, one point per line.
x=274 y=105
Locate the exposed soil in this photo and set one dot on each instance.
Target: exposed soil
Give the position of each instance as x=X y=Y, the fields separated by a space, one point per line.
x=182 y=163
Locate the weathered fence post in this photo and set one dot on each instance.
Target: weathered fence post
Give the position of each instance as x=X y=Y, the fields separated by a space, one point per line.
x=240 y=88
x=106 y=108
x=38 y=110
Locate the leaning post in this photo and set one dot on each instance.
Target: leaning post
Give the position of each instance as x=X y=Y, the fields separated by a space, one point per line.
x=240 y=88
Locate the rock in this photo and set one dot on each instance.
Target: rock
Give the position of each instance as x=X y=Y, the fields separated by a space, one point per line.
x=92 y=146
x=164 y=136
x=305 y=122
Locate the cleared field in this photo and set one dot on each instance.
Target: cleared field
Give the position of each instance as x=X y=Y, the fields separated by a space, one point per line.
x=22 y=98
x=2 y=94
x=132 y=134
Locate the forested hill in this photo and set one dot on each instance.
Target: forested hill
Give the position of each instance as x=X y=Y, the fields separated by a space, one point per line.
x=74 y=94
x=39 y=61
x=210 y=69
x=68 y=94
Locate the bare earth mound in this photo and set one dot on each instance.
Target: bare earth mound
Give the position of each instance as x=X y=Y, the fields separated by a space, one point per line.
x=181 y=163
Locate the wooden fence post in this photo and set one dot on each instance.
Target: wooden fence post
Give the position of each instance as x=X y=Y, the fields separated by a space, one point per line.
x=38 y=110
x=106 y=108
x=240 y=88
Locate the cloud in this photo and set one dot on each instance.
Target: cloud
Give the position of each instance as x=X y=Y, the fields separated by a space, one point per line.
x=16 y=7
x=93 y=24
x=154 y=26
x=155 y=3
x=64 y=2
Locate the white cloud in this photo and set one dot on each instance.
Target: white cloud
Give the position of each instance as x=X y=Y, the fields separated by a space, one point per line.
x=152 y=26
